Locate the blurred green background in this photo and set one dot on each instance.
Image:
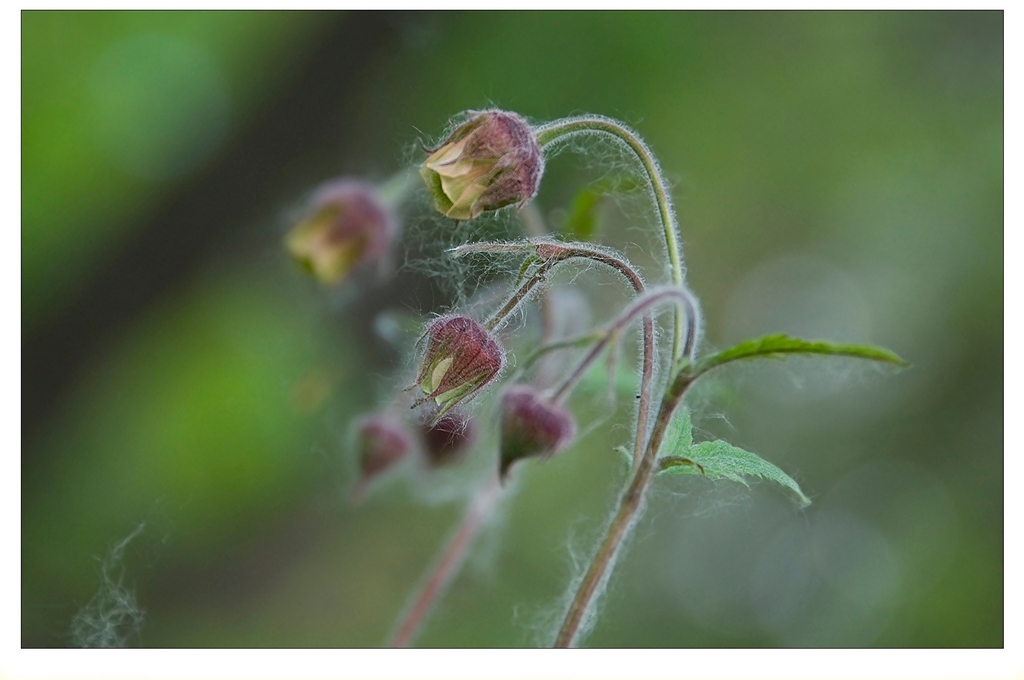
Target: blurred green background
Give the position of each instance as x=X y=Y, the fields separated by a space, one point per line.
x=837 y=175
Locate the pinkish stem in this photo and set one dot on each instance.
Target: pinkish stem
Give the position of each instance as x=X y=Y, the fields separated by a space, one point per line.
x=446 y=566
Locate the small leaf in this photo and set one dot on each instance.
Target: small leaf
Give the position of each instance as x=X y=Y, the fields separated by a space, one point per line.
x=721 y=460
x=778 y=346
x=596 y=379
x=678 y=436
x=581 y=222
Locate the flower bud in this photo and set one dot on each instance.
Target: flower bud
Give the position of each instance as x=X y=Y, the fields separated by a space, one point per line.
x=532 y=425
x=460 y=359
x=346 y=225
x=490 y=161
x=381 y=443
x=447 y=439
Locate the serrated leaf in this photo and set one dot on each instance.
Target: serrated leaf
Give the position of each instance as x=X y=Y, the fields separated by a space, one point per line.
x=780 y=345
x=721 y=460
x=678 y=435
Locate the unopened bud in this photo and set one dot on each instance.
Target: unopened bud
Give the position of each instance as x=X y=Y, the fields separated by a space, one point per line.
x=381 y=443
x=448 y=438
x=490 y=161
x=460 y=359
x=532 y=425
x=347 y=225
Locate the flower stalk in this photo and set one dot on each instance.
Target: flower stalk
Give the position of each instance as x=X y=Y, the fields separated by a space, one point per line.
x=631 y=503
x=550 y=135
x=552 y=253
x=625 y=517
x=446 y=566
x=683 y=300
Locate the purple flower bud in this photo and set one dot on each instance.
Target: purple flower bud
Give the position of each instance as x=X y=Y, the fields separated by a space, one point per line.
x=447 y=439
x=346 y=225
x=532 y=425
x=381 y=443
x=490 y=161
x=460 y=359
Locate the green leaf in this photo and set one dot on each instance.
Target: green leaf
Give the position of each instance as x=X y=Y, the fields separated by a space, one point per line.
x=778 y=346
x=581 y=222
x=678 y=436
x=721 y=460
x=624 y=382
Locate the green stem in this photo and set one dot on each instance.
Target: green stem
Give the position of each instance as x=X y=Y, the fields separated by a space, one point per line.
x=551 y=134
x=555 y=345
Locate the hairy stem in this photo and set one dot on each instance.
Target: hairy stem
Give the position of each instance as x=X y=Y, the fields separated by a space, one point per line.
x=555 y=252
x=576 y=250
x=518 y=297
x=535 y=227
x=640 y=306
x=626 y=516
x=551 y=134
x=445 y=566
x=631 y=503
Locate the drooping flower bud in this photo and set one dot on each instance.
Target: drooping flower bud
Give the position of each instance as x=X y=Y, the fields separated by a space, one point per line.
x=346 y=225
x=532 y=425
x=460 y=359
x=490 y=161
x=381 y=443
x=448 y=438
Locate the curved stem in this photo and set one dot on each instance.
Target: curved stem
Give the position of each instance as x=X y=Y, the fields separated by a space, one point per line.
x=445 y=566
x=555 y=132
x=641 y=305
x=555 y=252
x=554 y=346
x=532 y=219
x=631 y=503
x=575 y=250
x=627 y=514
